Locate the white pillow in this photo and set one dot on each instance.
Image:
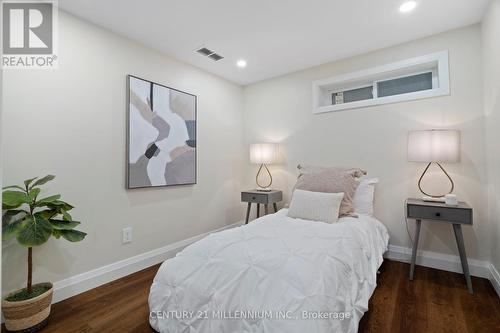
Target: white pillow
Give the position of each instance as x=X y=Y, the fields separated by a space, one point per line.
x=315 y=206
x=364 y=196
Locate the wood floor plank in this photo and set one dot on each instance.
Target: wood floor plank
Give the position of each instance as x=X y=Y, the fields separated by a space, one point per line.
x=435 y=301
x=480 y=311
x=411 y=313
x=384 y=300
x=442 y=302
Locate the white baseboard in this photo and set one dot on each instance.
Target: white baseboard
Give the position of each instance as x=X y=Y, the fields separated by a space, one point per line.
x=446 y=262
x=82 y=282
x=495 y=278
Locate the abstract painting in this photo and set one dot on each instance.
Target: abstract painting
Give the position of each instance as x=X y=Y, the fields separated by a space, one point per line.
x=161 y=145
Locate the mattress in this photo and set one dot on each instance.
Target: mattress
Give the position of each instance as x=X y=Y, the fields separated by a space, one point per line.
x=276 y=274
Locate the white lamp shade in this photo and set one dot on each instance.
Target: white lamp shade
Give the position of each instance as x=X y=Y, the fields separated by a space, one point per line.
x=434 y=146
x=264 y=153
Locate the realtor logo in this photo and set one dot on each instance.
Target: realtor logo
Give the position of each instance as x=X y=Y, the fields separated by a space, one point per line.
x=28 y=34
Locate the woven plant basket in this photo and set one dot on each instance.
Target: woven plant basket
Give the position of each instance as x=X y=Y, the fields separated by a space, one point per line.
x=30 y=315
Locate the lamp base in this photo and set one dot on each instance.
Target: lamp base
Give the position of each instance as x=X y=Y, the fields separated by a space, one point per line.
x=263 y=187
x=432 y=199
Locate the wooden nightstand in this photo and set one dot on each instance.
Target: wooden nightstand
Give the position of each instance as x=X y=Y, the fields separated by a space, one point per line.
x=456 y=215
x=261 y=197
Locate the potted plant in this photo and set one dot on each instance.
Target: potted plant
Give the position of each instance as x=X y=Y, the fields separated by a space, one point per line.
x=32 y=221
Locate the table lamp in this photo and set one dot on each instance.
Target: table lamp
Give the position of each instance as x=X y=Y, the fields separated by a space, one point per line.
x=434 y=146
x=264 y=153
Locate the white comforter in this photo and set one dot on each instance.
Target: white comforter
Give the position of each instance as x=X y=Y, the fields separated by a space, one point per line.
x=276 y=274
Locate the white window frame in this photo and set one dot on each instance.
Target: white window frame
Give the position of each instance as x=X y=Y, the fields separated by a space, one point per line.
x=436 y=62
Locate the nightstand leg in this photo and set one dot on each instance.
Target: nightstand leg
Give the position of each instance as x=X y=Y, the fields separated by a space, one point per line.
x=275 y=207
x=415 y=248
x=457 y=228
x=258 y=210
x=248 y=212
x=266 y=210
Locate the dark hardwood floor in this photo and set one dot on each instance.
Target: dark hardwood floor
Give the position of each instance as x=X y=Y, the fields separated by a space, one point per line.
x=436 y=301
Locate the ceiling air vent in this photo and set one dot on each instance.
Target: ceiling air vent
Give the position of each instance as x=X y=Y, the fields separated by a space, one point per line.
x=209 y=53
x=204 y=51
x=215 y=56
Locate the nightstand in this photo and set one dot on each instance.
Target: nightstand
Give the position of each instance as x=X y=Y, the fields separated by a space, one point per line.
x=439 y=212
x=261 y=197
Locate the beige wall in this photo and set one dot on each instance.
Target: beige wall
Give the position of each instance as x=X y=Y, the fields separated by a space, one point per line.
x=491 y=70
x=375 y=138
x=71 y=122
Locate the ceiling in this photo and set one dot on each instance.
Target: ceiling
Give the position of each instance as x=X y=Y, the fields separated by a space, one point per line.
x=274 y=36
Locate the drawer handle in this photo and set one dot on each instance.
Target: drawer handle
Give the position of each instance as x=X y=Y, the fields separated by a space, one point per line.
x=253 y=198
x=438 y=214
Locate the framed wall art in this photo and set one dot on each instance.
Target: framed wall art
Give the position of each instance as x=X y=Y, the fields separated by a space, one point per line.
x=161 y=135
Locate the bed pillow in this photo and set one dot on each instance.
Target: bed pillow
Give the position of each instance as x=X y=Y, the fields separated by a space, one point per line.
x=315 y=206
x=364 y=196
x=356 y=172
x=331 y=180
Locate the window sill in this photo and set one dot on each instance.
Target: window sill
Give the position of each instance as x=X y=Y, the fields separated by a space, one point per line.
x=384 y=100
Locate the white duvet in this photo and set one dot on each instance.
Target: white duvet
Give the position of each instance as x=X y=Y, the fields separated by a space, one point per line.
x=276 y=274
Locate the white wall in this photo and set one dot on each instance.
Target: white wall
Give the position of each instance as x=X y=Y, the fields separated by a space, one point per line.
x=375 y=138
x=491 y=70
x=71 y=122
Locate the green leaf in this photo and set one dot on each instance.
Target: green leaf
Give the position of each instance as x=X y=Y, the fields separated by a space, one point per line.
x=73 y=235
x=46 y=214
x=48 y=200
x=66 y=215
x=56 y=233
x=60 y=205
x=35 y=232
x=33 y=193
x=13 y=199
x=43 y=180
x=10 y=214
x=11 y=229
x=63 y=225
x=14 y=186
x=27 y=182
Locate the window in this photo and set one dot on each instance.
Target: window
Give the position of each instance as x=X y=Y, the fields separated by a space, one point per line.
x=353 y=95
x=405 y=85
x=411 y=79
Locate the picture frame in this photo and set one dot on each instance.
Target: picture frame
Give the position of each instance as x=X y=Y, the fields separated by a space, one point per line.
x=161 y=135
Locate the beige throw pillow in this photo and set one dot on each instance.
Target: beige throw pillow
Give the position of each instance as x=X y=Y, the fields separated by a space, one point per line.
x=331 y=180
x=315 y=206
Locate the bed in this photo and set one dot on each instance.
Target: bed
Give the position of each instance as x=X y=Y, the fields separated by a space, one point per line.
x=276 y=274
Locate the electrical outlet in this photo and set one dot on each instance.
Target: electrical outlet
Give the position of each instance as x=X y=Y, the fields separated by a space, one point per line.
x=126 y=235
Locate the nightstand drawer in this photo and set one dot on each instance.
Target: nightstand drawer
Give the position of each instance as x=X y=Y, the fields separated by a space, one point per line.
x=254 y=197
x=262 y=197
x=448 y=214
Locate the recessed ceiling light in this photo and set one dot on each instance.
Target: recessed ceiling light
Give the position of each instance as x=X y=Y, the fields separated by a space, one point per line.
x=408 y=6
x=241 y=63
